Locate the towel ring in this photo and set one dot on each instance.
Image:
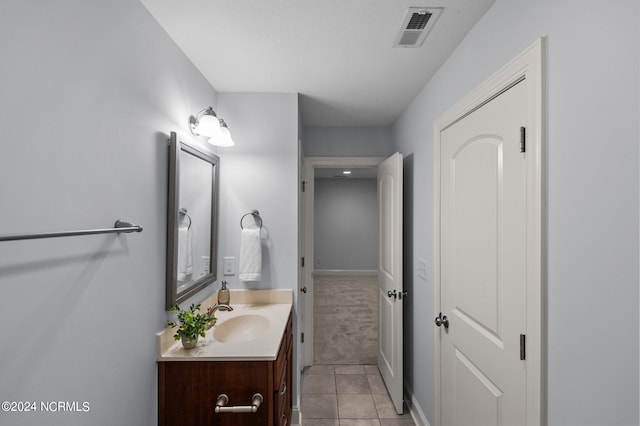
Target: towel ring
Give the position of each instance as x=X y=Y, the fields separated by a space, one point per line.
x=183 y=211
x=256 y=217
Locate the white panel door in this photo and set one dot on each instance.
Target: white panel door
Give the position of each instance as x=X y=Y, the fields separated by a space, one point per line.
x=390 y=277
x=483 y=265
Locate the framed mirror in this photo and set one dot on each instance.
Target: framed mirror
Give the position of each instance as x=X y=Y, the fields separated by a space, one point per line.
x=192 y=220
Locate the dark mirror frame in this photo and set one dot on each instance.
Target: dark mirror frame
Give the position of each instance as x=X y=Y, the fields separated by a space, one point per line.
x=173 y=296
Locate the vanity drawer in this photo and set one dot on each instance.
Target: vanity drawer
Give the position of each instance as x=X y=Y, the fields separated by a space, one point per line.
x=282 y=407
x=283 y=418
x=188 y=392
x=282 y=380
x=281 y=364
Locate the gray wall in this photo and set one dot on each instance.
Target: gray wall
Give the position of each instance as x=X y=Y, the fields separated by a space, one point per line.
x=345 y=224
x=261 y=172
x=592 y=251
x=347 y=141
x=89 y=94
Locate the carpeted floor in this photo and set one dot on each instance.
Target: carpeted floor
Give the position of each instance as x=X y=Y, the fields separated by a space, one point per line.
x=345 y=319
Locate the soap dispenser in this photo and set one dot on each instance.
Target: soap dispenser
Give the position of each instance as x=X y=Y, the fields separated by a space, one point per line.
x=223 y=294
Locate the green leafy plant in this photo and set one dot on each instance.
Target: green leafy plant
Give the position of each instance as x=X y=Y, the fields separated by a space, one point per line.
x=191 y=324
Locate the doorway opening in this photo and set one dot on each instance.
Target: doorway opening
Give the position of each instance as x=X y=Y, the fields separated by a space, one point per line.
x=345 y=266
x=328 y=274
x=389 y=290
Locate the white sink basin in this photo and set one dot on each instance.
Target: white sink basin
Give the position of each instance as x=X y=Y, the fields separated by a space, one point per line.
x=240 y=329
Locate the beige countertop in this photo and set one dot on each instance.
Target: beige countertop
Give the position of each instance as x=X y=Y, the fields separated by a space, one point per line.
x=273 y=305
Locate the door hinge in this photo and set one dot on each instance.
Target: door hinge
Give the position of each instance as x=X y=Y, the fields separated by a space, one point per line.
x=523 y=139
x=301 y=337
x=304 y=186
x=523 y=347
x=302 y=262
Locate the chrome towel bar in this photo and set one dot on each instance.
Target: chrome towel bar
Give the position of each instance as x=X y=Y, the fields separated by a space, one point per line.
x=223 y=400
x=119 y=226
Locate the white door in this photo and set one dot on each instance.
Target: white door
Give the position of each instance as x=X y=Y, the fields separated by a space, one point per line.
x=309 y=164
x=305 y=279
x=390 y=293
x=483 y=265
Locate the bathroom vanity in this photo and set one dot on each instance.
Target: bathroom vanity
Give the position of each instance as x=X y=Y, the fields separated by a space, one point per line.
x=247 y=353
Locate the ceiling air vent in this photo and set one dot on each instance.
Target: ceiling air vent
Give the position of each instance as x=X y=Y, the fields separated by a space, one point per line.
x=416 y=26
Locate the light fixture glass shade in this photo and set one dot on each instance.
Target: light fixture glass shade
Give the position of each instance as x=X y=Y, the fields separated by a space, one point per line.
x=208 y=126
x=224 y=137
x=205 y=123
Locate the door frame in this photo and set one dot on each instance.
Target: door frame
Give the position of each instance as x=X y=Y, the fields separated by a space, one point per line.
x=310 y=164
x=527 y=68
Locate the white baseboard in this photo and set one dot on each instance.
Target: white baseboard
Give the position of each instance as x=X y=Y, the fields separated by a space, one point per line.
x=296 y=417
x=415 y=410
x=345 y=272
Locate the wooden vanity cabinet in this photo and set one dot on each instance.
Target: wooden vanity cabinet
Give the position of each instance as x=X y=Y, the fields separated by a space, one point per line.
x=282 y=402
x=188 y=390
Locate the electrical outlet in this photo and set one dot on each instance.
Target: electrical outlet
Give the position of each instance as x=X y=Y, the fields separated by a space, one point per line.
x=228 y=266
x=206 y=261
x=421 y=269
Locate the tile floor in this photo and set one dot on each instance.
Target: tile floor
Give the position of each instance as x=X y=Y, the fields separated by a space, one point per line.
x=347 y=395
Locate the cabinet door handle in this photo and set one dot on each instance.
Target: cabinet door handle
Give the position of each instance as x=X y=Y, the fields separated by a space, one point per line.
x=223 y=400
x=283 y=391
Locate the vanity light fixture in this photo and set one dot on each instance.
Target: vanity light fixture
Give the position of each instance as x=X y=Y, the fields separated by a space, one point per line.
x=224 y=139
x=205 y=123
x=346 y=172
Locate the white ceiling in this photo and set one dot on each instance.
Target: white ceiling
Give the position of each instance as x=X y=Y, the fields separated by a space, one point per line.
x=336 y=53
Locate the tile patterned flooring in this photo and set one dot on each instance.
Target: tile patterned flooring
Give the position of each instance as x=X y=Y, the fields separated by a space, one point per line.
x=347 y=395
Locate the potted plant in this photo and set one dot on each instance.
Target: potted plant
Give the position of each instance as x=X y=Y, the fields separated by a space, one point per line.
x=191 y=325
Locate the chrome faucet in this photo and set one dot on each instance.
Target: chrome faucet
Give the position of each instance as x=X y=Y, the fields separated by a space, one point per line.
x=215 y=308
x=218 y=306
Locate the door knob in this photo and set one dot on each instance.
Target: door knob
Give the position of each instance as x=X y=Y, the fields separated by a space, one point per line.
x=304 y=290
x=393 y=294
x=442 y=320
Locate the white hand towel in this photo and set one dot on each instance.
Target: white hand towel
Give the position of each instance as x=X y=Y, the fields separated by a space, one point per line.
x=250 y=263
x=185 y=253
